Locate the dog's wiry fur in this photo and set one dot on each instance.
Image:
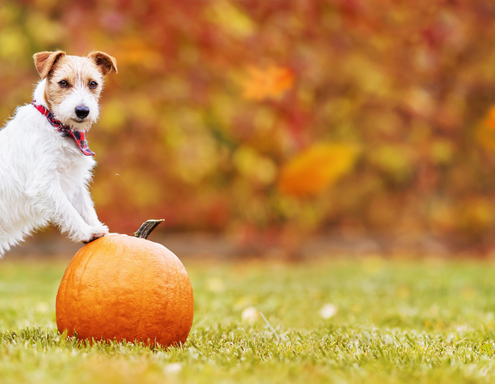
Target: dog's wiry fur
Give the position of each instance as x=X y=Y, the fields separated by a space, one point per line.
x=43 y=175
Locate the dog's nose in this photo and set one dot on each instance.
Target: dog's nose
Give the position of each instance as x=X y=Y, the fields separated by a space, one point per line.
x=82 y=111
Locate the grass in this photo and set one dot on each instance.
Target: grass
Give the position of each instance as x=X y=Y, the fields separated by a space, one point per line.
x=396 y=322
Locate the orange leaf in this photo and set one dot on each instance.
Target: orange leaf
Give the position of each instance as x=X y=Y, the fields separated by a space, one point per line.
x=490 y=120
x=317 y=168
x=485 y=132
x=270 y=83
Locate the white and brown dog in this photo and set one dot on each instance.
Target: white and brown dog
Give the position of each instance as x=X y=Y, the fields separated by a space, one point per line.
x=45 y=162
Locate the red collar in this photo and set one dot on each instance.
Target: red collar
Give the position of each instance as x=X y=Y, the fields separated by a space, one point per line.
x=78 y=136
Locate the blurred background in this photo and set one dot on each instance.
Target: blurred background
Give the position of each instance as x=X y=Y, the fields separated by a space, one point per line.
x=282 y=128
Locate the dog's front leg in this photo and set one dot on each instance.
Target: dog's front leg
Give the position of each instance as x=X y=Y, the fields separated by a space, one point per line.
x=83 y=203
x=50 y=200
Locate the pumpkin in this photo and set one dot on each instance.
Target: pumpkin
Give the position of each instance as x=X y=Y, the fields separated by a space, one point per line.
x=121 y=287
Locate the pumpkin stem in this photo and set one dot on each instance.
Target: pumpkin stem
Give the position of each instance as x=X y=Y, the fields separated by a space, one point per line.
x=146 y=228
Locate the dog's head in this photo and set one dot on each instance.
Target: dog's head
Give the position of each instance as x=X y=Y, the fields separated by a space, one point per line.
x=74 y=84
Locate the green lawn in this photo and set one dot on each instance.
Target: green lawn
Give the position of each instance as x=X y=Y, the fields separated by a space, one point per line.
x=395 y=322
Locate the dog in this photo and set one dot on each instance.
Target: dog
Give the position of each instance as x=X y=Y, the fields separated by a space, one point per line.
x=45 y=160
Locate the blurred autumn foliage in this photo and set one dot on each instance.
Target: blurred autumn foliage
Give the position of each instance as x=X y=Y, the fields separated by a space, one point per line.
x=271 y=117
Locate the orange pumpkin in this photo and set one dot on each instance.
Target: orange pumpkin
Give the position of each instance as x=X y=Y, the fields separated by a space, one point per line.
x=121 y=287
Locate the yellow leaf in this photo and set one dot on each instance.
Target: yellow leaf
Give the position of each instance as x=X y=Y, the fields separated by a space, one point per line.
x=45 y=31
x=13 y=44
x=317 y=168
x=231 y=18
x=254 y=166
x=114 y=116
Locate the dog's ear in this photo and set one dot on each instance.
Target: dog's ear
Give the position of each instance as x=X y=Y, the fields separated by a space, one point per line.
x=44 y=61
x=105 y=62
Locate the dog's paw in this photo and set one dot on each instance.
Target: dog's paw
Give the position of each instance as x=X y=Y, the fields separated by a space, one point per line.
x=91 y=234
x=97 y=232
x=100 y=229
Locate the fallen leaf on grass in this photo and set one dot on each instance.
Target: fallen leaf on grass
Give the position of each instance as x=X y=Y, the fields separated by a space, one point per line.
x=250 y=315
x=328 y=311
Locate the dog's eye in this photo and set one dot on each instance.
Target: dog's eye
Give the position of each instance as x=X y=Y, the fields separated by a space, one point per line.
x=93 y=84
x=63 y=83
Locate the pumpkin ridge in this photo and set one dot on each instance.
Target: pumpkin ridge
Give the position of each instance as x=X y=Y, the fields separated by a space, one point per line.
x=98 y=297
x=140 y=317
x=71 y=279
x=116 y=248
x=62 y=293
x=80 y=282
